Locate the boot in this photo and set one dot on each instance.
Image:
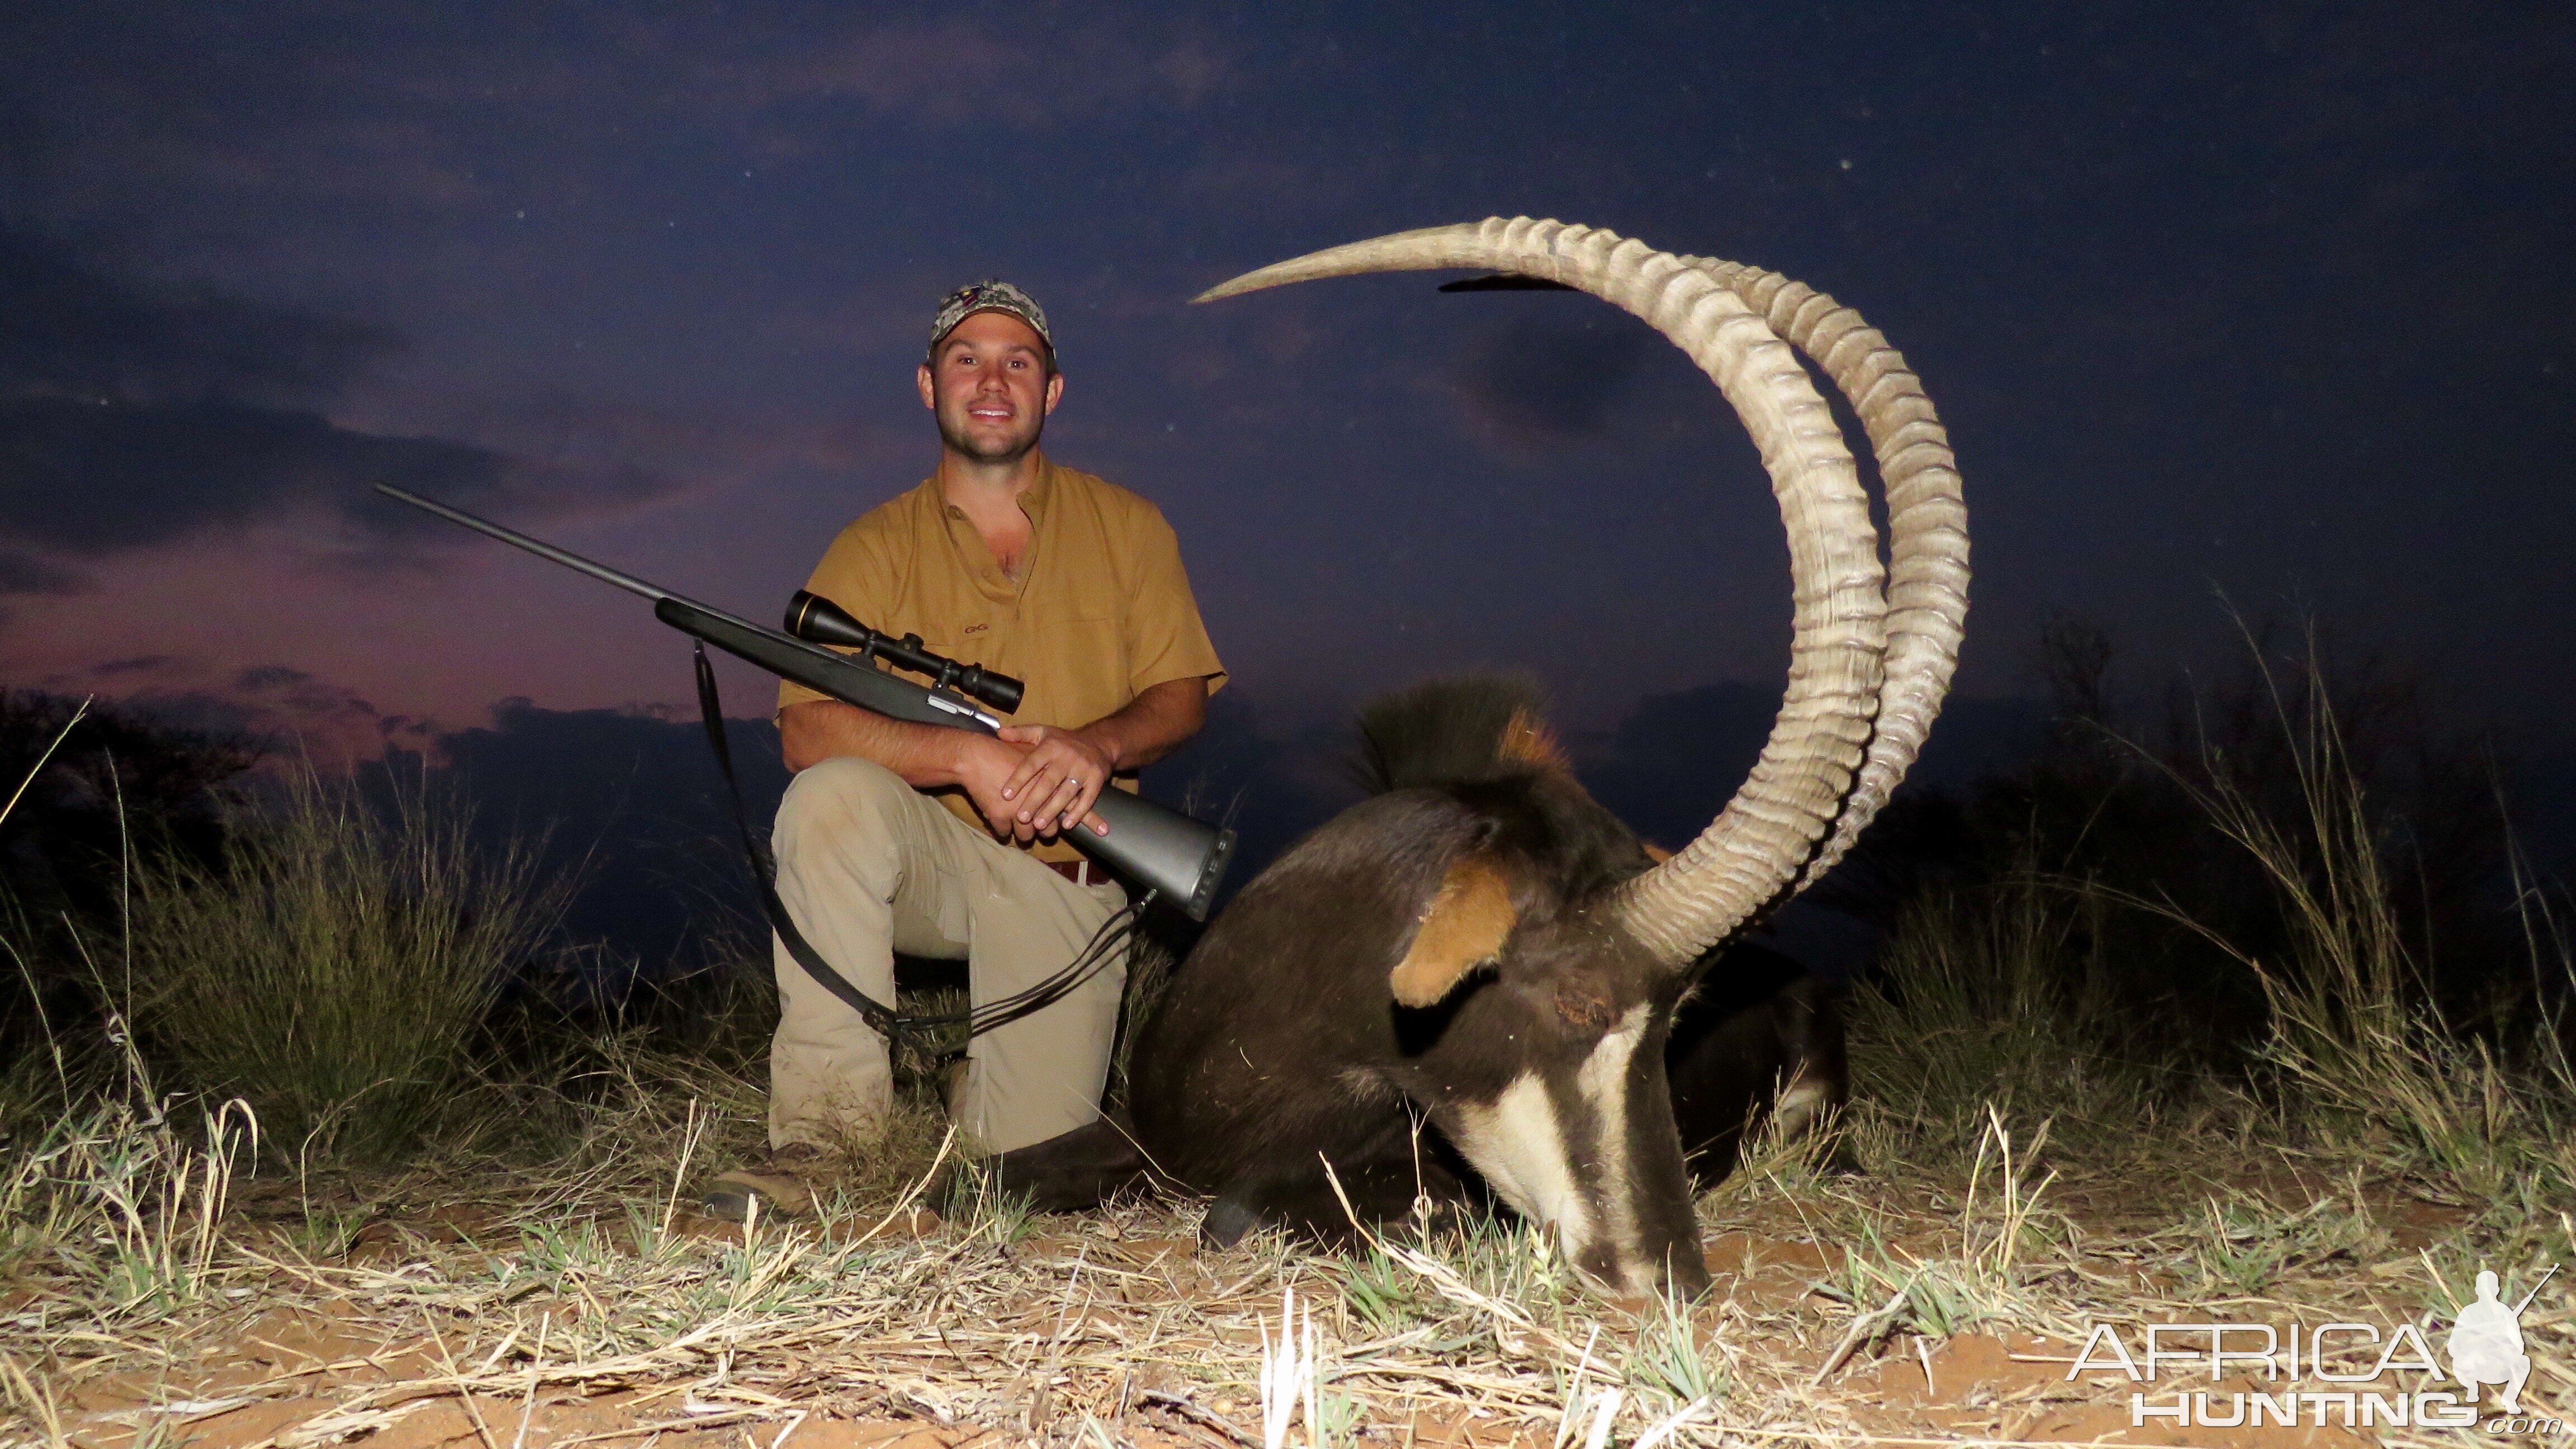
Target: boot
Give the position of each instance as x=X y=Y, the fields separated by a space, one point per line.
x=778 y=1183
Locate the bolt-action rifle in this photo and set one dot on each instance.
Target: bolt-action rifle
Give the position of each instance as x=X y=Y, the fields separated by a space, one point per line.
x=1179 y=858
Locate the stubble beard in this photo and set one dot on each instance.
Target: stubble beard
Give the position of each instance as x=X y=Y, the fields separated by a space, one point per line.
x=1011 y=451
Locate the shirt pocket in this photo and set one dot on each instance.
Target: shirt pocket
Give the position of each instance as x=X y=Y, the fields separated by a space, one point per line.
x=1087 y=657
x=1090 y=602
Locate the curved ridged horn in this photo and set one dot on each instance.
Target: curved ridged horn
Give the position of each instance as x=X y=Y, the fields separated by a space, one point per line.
x=1927 y=522
x=1758 y=844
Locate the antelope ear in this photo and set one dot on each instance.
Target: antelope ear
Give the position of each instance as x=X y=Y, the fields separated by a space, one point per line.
x=1462 y=928
x=1656 y=853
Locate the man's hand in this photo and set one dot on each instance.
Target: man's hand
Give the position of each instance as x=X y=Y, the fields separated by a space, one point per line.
x=980 y=765
x=1057 y=780
x=1035 y=764
x=1065 y=770
x=926 y=756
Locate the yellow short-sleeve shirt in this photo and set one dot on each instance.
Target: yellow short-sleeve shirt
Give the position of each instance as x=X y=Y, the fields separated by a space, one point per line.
x=1101 y=611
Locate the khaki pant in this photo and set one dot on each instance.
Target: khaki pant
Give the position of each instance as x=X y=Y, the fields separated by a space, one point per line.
x=867 y=866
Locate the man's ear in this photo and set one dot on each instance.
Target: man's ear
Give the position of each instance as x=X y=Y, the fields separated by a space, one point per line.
x=921 y=379
x=1055 y=390
x=1463 y=927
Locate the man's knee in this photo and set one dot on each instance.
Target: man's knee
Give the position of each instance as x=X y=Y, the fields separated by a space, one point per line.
x=835 y=801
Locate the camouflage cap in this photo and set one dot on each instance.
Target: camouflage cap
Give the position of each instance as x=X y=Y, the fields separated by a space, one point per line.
x=990 y=295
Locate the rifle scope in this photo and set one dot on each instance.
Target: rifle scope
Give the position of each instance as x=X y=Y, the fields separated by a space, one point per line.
x=818 y=620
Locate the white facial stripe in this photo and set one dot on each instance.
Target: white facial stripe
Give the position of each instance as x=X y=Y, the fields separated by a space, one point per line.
x=1519 y=1142
x=1602 y=1081
x=1519 y=1145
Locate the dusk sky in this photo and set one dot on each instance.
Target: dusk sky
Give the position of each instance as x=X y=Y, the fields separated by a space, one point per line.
x=2272 y=302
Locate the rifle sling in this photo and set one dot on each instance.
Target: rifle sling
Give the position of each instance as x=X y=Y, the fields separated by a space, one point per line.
x=893 y=1025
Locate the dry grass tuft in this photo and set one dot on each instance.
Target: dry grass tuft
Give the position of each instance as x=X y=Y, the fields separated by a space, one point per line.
x=333 y=970
x=2353 y=1026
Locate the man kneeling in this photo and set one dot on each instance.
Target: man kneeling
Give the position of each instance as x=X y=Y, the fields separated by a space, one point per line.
x=951 y=844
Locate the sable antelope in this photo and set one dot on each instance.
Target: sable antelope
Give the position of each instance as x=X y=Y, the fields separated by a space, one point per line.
x=1483 y=948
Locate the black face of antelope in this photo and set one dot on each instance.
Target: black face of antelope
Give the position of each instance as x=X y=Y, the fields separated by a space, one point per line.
x=1550 y=1082
x=1481 y=958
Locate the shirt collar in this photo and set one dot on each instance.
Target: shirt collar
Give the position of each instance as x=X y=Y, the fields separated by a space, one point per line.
x=1033 y=502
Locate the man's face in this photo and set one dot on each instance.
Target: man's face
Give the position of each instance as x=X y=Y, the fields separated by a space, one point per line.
x=989 y=387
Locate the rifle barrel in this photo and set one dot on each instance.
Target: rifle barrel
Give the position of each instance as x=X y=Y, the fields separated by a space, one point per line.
x=2535 y=1290
x=568 y=559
